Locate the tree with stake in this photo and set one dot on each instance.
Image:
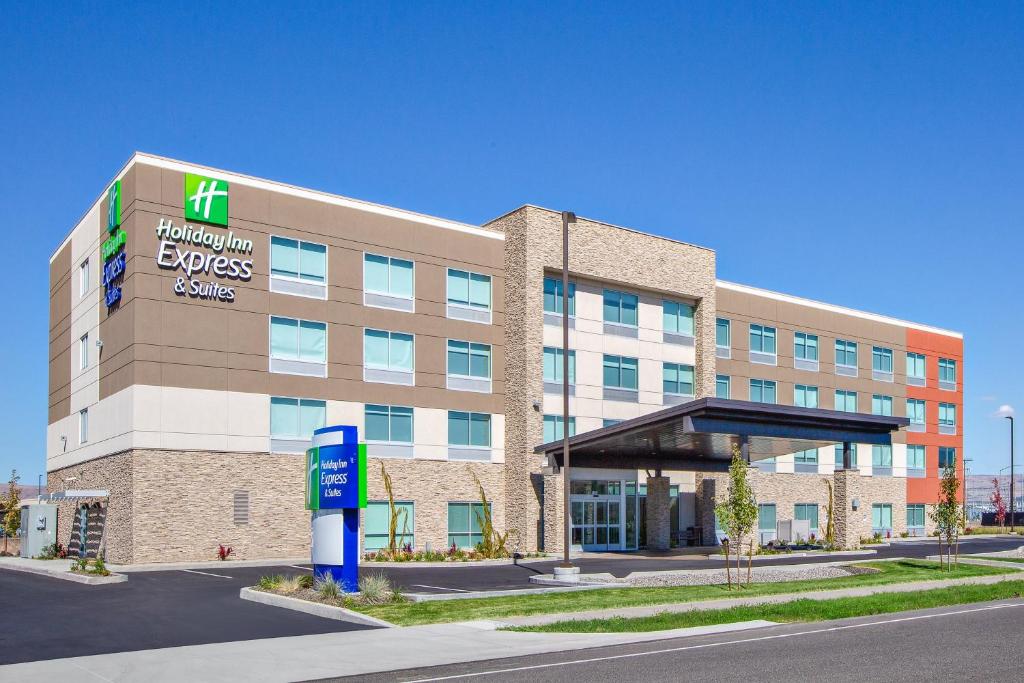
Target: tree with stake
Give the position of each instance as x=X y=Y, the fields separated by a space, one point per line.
x=12 y=508
x=830 y=525
x=946 y=514
x=998 y=503
x=737 y=514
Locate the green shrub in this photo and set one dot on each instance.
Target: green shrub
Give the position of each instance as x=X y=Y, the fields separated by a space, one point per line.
x=328 y=588
x=269 y=583
x=375 y=589
x=306 y=581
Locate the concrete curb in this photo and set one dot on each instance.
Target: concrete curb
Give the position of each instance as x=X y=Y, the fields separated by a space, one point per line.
x=688 y=632
x=206 y=564
x=67 y=575
x=550 y=587
x=315 y=608
x=369 y=564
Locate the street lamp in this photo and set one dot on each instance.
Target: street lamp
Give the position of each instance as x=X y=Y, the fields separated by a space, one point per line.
x=1012 y=508
x=567 y=218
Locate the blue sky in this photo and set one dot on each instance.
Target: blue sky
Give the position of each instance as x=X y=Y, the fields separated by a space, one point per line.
x=867 y=154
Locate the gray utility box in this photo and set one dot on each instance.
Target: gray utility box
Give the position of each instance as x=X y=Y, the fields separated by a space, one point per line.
x=793 y=530
x=38 y=528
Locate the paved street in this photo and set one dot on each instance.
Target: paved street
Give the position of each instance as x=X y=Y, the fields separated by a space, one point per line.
x=979 y=642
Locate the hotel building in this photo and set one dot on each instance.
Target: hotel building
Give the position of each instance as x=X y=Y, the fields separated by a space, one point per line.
x=203 y=323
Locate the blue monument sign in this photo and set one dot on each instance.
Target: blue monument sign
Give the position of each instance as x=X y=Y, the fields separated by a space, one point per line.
x=335 y=491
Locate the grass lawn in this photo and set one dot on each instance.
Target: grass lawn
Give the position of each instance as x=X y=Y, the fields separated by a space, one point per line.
x=408 y=614
x=799 y=610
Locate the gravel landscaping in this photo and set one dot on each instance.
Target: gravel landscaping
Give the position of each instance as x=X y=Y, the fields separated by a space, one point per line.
x=707 y=577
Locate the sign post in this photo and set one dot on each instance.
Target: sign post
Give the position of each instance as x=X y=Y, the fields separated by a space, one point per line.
x=335 y=491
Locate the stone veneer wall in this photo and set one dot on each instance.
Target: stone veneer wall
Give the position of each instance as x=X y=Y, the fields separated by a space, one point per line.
x=168 y=506
x=533 y=245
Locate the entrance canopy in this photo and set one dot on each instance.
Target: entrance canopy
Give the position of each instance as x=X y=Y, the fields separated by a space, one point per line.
x=700 y=435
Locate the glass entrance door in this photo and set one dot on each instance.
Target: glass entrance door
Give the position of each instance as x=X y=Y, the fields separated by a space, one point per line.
x=597 y=523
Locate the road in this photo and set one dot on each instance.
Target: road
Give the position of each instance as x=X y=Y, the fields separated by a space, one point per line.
x=980 y=642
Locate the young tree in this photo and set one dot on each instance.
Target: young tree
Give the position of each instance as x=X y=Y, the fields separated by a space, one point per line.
x=998 y=503
x=946 y=514
x=394 y=512
x=830 y=525
x=737 y=514
x=11 y=505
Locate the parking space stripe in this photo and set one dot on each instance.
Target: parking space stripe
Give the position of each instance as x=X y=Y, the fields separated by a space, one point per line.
x=219 y=576
x=295 y=566
x=440 y=588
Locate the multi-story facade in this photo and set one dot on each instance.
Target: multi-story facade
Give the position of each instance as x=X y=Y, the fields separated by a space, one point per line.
x=204 y=322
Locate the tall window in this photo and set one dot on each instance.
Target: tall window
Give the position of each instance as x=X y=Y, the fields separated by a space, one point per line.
x=392 y=424
x=881 y=517
x=723 y=333
x=296 y=418
x=947 y=371
x=722 y=386
x=471 y=290
x=846 y=400
x=469 y=429
x=553 y=365
x=915 y=516
x=947 y=415
x=553 y=296
x=839 y=455
x=83 y=352
x=388 y=276
x=915 y=366
x=465 y=524
x=298 y=260
x=677 y=379
x=677 y=318
x=383 y=350
x=947 y=457
x=805 y=396
x=881 y=359
x=881 y=405
x=292 y=339
x=620 y=372
x=881 y=456
x=915 y=457
x=846 y=353
x=553 y=427
x=762 y=339
x=805 y=346
x=83 y=425
x=766 y=518
x=469 y=359
x=809 y=512
x=377 y=522
x=762 y=391
x=620 y=307
x=915 y=411
x=83 y=278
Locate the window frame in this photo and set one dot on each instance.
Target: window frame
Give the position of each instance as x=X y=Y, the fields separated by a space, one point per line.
x=84 y=278
x=879 y=355
x=469 y=426
x=728 y=385
x=636 y=368
x=946 y=452
x=728 y=332
x=846 y=393
x=881 y=508
x=665 y=365
x=912 y=362
x=390 y=334
x=468 y=306
x=814 y=528
x=801 y=340
x=917 y=449
x=763 y=333
x=83 y=352
x=807 y=389
x=471 y=347
x=557 y=294
x=764 y=385
x=622 y=297
x=299 y=277
x=679 y=306
x=473 y=507
x=845 y=351
x=390 y=411
x=412 y=295
x=882 y=400
x=947 y=408
x=400 y=536
x=321 y=365
x=83 y=426
x=556 y=421
x=557 y=355
x=299 y=404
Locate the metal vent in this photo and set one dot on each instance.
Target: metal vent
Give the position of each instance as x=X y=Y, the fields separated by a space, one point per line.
x=240 y=507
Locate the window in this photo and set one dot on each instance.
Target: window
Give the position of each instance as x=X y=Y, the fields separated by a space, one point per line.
x=808 y=457
x=620 y=372
x=677 y=379
x=377 y=521
x=846 y=401
x=947 y=457
x=83 y=278
x=553 y=296
x=469 y=429
x=766 y=521
x=553 y=428
x=292 y=339
x=915 y=457
x=723 y=333
x=296 y=418
x=762 y=391
x=805 y=346
x=881 y=456
x=470 y=290
x=915 y=516
x=83 y=425
x=469 y=359
x=83 y=352
x=809 y=512
x=553 y=365
x=762 y=339
x=915 y=411
x=805 y=396
x=846 y=353
x=881 y=517
x=465 y=521
x=392 y=424
x=881 y=360
x=722 y=385
x=608 y=422
x=947 y=373
x=298 y=260
x=839 y=455
x=388 y=276
x=947 y=415
x=391 y=351
x=677 y=318
x=915 y=366
x=620 y=307
x=881 y=405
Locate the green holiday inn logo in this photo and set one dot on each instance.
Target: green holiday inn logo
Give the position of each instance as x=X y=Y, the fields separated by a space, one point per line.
x=206 y=199
x=114 y=206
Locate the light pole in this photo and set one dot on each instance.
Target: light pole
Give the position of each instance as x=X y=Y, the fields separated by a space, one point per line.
x=1012 y=509
x=567 y=218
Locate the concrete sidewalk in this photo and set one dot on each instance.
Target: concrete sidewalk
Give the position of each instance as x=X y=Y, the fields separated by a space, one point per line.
x=57 y=569
x=335 y=654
